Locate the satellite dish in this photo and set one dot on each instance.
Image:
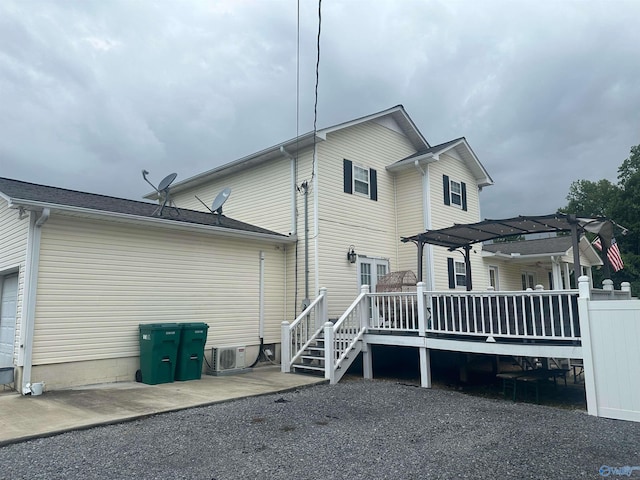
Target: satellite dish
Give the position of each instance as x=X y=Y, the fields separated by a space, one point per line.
x=220 y=199
x=166 y=181
x=163 y=192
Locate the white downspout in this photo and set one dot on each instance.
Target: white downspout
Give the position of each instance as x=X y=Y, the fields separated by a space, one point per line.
x=316 y=227
x=426 y=214
x=30 y=288
x=261 y=298
x=294 y=197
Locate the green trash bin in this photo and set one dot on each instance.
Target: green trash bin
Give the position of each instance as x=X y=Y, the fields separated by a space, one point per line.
x=191 y=351
x=158 y=352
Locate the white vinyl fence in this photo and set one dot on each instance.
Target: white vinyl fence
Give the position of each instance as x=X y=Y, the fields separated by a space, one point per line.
x=611 y=349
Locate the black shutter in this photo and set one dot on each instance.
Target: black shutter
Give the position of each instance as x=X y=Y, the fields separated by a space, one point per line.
x=452 y=273
x=445 y=187
x=348 y=176
x=463 y=187
x=373 y=184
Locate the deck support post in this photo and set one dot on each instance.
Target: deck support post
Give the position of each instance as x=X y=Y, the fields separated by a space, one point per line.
x=425 y=368
x=285 y=348
x=367 y=361
x=422 y=309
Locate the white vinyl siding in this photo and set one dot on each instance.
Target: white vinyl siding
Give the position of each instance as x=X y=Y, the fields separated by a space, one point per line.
x=444 y=216
x=99 y=280
x=13 y=253
x=354 y=219
x=260 y=195
x=410 y=216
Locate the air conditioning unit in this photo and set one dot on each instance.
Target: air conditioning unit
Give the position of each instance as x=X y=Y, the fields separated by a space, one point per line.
x=227 y=358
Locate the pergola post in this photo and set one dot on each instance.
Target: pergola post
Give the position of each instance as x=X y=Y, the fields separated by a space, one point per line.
x=577 y=270
x=467 y=265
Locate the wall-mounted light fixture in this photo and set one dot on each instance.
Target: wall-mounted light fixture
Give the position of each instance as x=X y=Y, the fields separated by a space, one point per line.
x=351 y=254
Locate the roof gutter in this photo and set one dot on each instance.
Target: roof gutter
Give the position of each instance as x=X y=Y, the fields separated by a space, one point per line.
x=25 y=355
x=160 y=222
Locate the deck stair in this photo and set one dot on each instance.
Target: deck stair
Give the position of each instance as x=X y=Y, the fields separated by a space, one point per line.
x=312 y=359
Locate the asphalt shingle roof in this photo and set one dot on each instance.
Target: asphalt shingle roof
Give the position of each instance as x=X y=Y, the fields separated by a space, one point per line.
x=433 y=149
x=18 y=190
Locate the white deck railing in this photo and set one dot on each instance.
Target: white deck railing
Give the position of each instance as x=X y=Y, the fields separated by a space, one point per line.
x=298 y=335
x=394 y=311
x=342 y=339
x=532 y=315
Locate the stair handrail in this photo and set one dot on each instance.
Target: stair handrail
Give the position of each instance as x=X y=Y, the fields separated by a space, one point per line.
x=287 y=355
x=349 y=339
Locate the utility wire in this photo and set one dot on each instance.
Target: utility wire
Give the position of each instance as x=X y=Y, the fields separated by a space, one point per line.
x=315 y=105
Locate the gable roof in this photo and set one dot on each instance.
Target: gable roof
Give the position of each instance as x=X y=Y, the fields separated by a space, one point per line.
x=33 y=196
x=291 y=146
x=432 y=154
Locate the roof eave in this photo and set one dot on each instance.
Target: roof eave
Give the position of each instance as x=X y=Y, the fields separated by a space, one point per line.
x=298 y=143
x=161 y=222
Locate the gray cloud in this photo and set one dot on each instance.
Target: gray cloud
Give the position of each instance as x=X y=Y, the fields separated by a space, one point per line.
x=92 y=92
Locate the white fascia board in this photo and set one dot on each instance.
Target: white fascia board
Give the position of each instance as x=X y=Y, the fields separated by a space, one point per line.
x=359 y=120
x=159 y=222
x=5 y=197
x=409 y=163
x=243 y=163
x=418 y=139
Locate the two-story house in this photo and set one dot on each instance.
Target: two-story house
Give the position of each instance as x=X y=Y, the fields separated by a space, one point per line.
x=358 y=186
x=79 y=272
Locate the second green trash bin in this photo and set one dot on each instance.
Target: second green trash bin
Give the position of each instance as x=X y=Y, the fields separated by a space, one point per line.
x=158 y=352
x=191 y=351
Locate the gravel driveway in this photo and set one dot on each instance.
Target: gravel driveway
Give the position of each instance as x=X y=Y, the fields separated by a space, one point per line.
x=356 y=429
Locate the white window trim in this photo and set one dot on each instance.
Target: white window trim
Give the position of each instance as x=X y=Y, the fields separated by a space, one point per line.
x=495 y=269
x=451 y=202
x=354 y=180
x=456 y=274
x=374 y=262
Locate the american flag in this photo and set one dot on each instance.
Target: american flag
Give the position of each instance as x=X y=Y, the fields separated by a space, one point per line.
x=613 y=254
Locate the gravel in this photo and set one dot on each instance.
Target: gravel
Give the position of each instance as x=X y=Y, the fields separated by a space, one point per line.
x=356 y=429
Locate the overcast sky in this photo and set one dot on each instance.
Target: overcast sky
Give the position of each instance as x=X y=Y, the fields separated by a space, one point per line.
x=92 y=92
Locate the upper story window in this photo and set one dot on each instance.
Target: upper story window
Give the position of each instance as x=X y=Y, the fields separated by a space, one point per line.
x=455 y=193
x=360 y=180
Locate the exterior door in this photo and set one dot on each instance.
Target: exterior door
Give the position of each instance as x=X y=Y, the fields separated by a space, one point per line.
x=370 y=270
x=8 y=303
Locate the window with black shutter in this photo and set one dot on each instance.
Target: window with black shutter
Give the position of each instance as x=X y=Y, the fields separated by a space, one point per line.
x=360 y=180
x=455 y=193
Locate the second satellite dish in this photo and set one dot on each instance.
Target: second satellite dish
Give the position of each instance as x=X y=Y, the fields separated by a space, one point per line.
x=220 y=199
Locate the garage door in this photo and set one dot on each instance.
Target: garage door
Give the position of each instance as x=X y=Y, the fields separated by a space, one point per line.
x=8 y=303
